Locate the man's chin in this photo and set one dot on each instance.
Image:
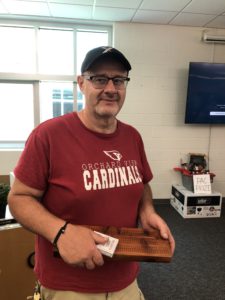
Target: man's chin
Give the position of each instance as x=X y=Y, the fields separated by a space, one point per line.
x=107 y=112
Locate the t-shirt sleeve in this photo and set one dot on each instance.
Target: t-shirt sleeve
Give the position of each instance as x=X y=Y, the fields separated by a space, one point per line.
x=33 y=167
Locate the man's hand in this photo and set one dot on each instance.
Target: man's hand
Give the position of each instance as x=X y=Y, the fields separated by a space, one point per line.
x=151 y=220
x=77 y=246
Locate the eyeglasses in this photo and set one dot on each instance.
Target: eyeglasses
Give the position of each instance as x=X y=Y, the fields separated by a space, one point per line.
x=100 y=82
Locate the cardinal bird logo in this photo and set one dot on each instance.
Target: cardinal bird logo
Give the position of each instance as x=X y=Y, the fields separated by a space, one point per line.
x=114 y=154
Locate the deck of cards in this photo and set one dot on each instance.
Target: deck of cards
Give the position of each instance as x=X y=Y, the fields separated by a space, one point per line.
x=109 y=247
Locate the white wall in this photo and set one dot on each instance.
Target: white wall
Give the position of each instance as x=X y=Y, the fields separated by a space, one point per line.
x=156 y=100
x=156 y=96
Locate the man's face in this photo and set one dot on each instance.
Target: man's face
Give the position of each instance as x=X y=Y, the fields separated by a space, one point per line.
x=105 y=102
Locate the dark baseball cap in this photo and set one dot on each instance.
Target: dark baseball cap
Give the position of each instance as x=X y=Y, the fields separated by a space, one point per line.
x=95 y=54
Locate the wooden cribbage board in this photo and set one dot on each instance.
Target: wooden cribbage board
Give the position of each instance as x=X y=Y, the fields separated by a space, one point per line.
x=137 y=245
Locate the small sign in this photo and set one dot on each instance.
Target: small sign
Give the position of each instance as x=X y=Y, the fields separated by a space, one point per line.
x=202 y=184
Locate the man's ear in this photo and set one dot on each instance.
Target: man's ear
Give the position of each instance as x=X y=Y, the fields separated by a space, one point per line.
x=80 y=82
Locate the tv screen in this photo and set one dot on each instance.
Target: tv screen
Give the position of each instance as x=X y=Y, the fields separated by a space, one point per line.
x=206 y=93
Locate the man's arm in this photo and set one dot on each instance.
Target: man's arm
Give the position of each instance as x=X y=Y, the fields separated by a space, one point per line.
x=77 y=246
x=150 y=219
x=26 y=208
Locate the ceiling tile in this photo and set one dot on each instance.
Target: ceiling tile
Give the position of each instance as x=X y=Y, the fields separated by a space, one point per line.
x=206 y=7
x=174 y=12
x=29 y=0
x=71 y=11
x=119 y=3
x=26 y=7
x=156 y=17
x=113 y=14
x=2 y=9
x=81 y=2
x=188 y=19
x=218 y=22
x=172 y=5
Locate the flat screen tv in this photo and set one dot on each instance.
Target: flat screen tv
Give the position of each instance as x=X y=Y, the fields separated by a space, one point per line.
x=206 y=93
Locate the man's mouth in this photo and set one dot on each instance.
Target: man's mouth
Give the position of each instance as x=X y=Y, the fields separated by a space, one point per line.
x=109 y=100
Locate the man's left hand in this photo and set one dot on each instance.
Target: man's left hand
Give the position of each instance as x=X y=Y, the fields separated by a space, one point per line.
x=151 y=220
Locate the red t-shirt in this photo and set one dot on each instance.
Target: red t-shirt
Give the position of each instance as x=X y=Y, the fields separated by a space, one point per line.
x=88 y=178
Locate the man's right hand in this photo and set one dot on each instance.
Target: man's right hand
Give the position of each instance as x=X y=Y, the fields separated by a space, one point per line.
x=77 y=246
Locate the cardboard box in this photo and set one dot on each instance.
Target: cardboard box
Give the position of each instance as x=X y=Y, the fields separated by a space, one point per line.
x=17 y=279
x=190 y=205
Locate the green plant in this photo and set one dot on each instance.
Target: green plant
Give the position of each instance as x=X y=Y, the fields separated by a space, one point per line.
x=4 y=190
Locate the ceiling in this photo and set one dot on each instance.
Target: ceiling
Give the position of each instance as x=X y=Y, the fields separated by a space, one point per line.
x=203 y=13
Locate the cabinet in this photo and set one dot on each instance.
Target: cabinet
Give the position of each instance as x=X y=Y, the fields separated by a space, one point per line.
x=17 y=279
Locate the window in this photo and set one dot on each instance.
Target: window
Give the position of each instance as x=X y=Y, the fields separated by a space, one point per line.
x=38 y=74
x=56 y=99
x=16 y=113
x=56 y=53
x=17 y=51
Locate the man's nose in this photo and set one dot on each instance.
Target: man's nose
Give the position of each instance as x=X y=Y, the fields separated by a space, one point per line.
x=110 y=86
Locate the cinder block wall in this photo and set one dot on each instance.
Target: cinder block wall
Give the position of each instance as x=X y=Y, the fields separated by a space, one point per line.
x=156 y=97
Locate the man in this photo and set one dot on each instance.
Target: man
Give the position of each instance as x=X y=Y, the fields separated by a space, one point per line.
x=86 y=168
